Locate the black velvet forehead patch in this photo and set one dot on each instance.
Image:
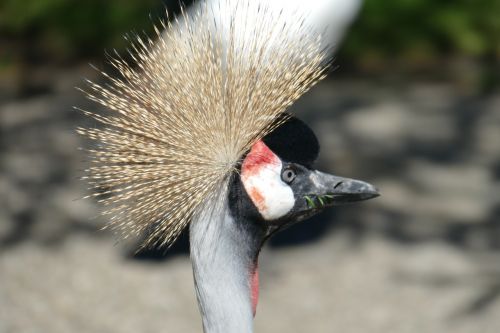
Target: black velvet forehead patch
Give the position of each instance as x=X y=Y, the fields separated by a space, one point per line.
x=293 y=141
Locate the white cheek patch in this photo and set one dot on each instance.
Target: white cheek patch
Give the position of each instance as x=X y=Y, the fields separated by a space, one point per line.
x=261 y=177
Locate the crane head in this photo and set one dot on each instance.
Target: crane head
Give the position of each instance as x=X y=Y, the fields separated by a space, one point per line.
x=279 y=184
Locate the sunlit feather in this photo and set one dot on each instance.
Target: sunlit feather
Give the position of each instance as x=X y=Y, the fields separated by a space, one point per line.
x=199 y=95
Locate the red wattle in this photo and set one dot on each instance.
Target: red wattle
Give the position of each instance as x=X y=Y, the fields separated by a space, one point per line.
x=254 y=284
x=259 y=157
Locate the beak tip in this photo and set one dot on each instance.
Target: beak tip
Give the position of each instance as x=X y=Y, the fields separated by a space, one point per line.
x=373 y=193
x=366 y=191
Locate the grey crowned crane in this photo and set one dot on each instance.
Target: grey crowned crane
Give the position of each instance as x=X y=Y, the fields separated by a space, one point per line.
x=197 y=133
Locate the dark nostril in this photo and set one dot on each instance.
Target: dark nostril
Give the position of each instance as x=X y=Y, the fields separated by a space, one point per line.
x=337 y=185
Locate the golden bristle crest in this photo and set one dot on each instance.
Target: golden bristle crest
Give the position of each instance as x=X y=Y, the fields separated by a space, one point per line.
x=207 y=88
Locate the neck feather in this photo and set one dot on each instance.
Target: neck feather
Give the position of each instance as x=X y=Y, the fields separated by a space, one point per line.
x=224 y=254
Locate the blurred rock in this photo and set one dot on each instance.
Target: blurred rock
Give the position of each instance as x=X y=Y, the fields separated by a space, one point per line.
x=16 y=113
x=457 y=193
x=487 y=133
x=15 y=200
x=384 y=125
x=35 y=168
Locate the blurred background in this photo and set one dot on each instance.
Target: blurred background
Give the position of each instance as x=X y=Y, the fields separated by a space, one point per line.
x=413 y=106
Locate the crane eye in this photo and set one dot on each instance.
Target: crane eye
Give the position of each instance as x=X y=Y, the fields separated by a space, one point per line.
x=288 y=175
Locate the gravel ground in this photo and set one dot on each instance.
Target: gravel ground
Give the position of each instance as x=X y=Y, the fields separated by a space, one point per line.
x=424 y=257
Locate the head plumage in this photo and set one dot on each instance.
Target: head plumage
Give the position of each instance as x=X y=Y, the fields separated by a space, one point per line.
x=179 y=121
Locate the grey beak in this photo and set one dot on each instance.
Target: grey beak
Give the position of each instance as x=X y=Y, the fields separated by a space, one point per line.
x=332 y=190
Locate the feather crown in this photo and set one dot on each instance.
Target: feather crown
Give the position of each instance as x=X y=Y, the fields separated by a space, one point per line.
x=201 y=93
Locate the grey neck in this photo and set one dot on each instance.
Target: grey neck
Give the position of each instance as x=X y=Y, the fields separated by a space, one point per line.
x=223 y=254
